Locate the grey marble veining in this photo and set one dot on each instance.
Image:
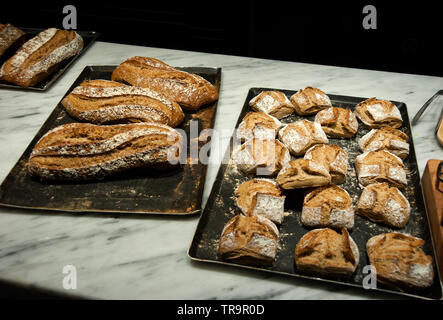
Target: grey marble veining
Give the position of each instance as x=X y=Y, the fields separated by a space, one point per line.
x=145 y=257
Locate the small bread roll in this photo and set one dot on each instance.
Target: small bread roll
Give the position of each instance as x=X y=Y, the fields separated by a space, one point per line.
x=303 y=173
x=332 y=157
x=377 y=113
x=274 y=103
x=386 y=138
x=258 y=125
x=310 y=101
x=337 y=122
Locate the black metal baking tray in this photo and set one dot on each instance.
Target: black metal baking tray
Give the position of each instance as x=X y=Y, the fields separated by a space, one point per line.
x=221 y=207
x=88 y=38
x=173 y=192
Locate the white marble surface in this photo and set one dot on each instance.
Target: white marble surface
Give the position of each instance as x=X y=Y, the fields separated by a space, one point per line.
x=145 y=258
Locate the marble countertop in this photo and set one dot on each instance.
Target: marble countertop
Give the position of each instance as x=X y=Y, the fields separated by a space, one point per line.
x=118 y=257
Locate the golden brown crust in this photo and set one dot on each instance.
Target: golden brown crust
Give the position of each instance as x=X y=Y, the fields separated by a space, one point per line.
x=303 y=173
x=386 y=138
x=337 y=122
x=274 y=103
x=258 y=125
x=9 y=35
x=377 y=113
x=310 y=101
x=333 y=158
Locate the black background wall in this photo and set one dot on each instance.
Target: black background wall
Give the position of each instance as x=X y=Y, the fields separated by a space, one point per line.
x=406 y=39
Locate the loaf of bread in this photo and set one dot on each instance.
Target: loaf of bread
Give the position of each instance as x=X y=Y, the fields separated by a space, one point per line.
x=258 y=125
x=332 y=157
x=261 y=157
x=310 y=101
x=189 y=90
x=380 y=166
x=81 y=151
x=274 y=103
x=377 y=113
x=9 y=36
x=105 y=102
x=337 y=122
x=386 y=138
x=249 y=239
x=384 y=204
x=262 y=197
x=41 y=56
x=327 y=253
x=328 y=206
x=303 y=173
x=400 y=261
x=299 y=136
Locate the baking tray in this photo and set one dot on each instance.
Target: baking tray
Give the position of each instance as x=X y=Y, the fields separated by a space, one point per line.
x=174 y=192
x=88 y=38
x=221 y=207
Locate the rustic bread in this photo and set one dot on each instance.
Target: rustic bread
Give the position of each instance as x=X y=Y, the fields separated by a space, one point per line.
x=328 y=206
x=303 y=173
x=258 y=125
x=377 y=113
x=337 y=122
x=310 y=101
x=386 y=138
x=261 y=157
x=103 y=101
x=332 y=157
x=80 y=151
x=189 y=90
x=382 y=203
x=400 y=261
x=274 y=103
x=380 y=166
x=249 y=239
x=299 y=136
x=327 y=253
x=40 y=56
x=9 y=37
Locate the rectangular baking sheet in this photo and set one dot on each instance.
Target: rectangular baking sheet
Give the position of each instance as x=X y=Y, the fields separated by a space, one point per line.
x=88 y=38
x=174 y=192
x=221 y=207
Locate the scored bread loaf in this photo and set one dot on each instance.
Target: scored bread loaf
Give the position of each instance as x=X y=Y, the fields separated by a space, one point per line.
x=337 y=122
x=310 y=101
x=189 y=90
x=103 y=101
x=332 y=157
x=258 y=125
x=40 y=56
x=9 y=37
x=274 y=103
x=81 y=151
x=386 y=138
x=377 y=113
x=303 y=173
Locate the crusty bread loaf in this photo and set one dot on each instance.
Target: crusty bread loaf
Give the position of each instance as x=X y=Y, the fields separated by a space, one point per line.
x=258 y=125
x=274 y=103
x=400 y=261
x=328 y=206
x=337 y=122
x=299 y=136
x=303 y=173
x=332 y=157
x=189 y=90
x=250 y=239
x=386 y=138
x=310 y=101
x=103 y=101
x=80 y=151
x=327 y=253
x=377 y=113
x=40 y=56
x=9 y=35
x=382 y=203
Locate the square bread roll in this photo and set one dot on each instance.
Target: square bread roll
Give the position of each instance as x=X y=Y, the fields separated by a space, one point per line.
x=310 y=101
x=303 y=173
x=386 y=138
x=337 y=122
x=333 y=158
x=377 y=113
x=274 y=103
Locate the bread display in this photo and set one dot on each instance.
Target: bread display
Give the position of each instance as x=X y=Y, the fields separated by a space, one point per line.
x=299 y=136
x=327 y=253
x=40 y=56
x=380 y=166
x=332 y=157
x=274 y=103
x=261 y=157
x=258 y=125
x=249 y=239
x=382 y=203
x=337 y=122
x=81 y=151
x=9 y=36
x=377 y=113
x=386 y=138
x=303 y=173
x=400 y=261
x=189 y=90
x=262 y=197
x=310 y=101
x=104 y=102
x=328 y=206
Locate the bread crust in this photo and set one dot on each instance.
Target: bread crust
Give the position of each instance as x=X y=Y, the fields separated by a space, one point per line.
x=303 y=173
x=258 y=125
x=274 y=103
x=337 y=122
x=309 y=101
x=9 y=35
x=377 y=113
x=386 y=138
x=333 y=158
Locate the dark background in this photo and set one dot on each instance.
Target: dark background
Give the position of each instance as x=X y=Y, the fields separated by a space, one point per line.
x=406 y=40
